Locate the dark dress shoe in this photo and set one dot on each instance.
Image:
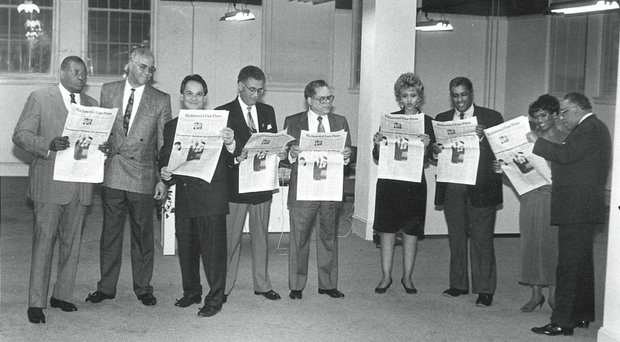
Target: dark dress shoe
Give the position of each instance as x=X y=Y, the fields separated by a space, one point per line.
x=271 y=294
x=187 y=301
x=208 y=311
x=35 y=315
x=553 y=329
x=582 y=324
x=64 y=306
x=484 y=299
x=381 y=290
x=295 y=294
x=408 y=290
x=454 y=292
x=334 y=293
x=147 y=299
x=97 y=297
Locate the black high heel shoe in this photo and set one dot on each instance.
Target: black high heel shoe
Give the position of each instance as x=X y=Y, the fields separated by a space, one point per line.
x=381 y=290
x=407 y=289
x=530 y=308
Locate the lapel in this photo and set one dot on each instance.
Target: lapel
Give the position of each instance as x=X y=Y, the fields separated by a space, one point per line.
x=303 y=124
x=142 y=112
x=56 y=101
x=333 y=126
x=236 y=108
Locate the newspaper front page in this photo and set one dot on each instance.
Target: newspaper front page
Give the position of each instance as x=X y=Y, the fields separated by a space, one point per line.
x=259 y=172
x=197 y=143
x=525 y=170
x=402 y=151
x=458 y=161
x=87 y=128
x=320 y=166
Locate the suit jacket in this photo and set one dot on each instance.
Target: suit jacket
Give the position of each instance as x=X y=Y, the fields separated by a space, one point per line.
x=43 y=119
x=487 y=191
x=236 y=121
x=579 y=169
x=132 y=163
x=194 y=196
x=294 y=124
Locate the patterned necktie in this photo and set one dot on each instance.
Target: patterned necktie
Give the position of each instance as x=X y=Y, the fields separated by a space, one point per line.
x=320 y=128
x=251 y=124
x=72 y=98
x=462 y=115
x=128 y=110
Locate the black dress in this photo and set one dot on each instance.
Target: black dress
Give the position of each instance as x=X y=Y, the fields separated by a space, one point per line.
x=401 y=205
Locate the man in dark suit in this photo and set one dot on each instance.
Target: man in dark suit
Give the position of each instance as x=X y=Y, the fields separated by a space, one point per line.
x=131 y=180
x=246 y=116
x=59 y=207
x=470 y=209
x=200 y=215
x=579 y=169
x=318 y=118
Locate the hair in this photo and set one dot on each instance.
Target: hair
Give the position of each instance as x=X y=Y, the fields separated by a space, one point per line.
x=310 y=90
x=409 y=80
x=579 y=100
x=251 y=71
x=66 y=63
x=140 y=51
x=462 y=81
x=197 y=78
x=545 y=102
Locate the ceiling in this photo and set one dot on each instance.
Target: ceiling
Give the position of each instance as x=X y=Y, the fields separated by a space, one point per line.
x=485 y=7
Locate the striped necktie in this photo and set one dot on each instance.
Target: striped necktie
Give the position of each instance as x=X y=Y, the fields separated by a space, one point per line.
x=320 y=128
x=127 y=116
x=251 y=124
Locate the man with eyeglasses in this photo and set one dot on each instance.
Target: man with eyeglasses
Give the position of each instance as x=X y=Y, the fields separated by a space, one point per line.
x=248 y=115
x=303 y=214
x=580 y=168
x=59 y=207
x=131 y=178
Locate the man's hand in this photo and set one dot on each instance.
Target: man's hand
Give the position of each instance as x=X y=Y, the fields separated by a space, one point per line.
x=160 y=190
x=497 y=167
x=531 y=137
x=228 y=135
x=294 y=151
x=480 y=131
x=346 y=153
x=59 y=144
x=243 y=156
x=425 y=138
x=283 y=153
x=166 y=174
x=437 y=148
x=105 y=148
x=377 y=137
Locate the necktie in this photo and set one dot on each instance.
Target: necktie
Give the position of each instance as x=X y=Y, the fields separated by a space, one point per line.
x=462 y=115
x=320 y=128
x=128 y=110
x=251 y=124
x=72 y=98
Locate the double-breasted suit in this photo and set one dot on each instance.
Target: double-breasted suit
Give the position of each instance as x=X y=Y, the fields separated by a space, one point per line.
x=130 y=178
x=580 y=167
x=257 y=204
x=59 y=206
x=303 y=215
x=471 y=210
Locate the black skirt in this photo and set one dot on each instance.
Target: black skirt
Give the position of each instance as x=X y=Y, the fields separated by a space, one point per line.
x=400 y=206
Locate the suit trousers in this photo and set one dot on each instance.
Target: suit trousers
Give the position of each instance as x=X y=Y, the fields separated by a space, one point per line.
x=55 y=221
x=574 y=293
x=302 y=218
x=464 y=219
x=116 y=204
x=259 y=240
x=197 y=237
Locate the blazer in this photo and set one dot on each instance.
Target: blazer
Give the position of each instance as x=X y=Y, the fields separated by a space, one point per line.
x=236 y=121
x=132 y=162
x=294 y=124
x=487 y=191
x=579 y=169
x=194 y=196
x=43 y=119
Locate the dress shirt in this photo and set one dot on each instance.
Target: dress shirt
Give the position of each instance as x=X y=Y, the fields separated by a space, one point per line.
x=313 y=122
x=137 y=96
x=244 y=109
x=66 y=97
x=469 y=113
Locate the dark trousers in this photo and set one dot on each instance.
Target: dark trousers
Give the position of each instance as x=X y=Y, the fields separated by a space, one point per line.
x=116 y=204
x=203 y=236
x=574 y=294
x=464 y=219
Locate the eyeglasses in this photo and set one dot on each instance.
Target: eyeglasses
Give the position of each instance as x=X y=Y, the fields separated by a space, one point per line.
x=257 y=91
x=564 y=111
x=143 y=67
x=324 y=99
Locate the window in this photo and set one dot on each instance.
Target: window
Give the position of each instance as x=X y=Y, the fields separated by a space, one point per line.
x=25 y=38
x=115 y=27
x=609 y=56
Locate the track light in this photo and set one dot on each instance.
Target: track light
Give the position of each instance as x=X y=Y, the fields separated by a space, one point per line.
x=433 y=25
x=583 y=7
x=235 y=14
x=28 y=7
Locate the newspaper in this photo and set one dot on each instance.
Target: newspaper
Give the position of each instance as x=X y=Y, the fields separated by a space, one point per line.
x=197 y=143
x=87 y=128
x=259 y=172
x=525 y=170
x=458 y=162
x=320 y=166
x=401 y=151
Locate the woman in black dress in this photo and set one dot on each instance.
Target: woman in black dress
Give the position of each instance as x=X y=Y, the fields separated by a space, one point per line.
x=400 y=206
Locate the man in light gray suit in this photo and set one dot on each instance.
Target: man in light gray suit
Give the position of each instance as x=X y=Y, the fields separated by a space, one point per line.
x=59 y=207
x=131 y=179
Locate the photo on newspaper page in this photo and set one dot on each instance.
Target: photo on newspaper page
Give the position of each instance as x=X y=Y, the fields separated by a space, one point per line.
x=401 y=152
x=87 y=128
x=525 y=170
x=458 y=160
x=259 y=171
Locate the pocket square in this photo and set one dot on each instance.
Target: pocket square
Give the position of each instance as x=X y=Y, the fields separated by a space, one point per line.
x=269 y=126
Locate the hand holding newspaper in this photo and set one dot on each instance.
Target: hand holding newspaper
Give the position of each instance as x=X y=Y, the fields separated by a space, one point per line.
x=259 y=172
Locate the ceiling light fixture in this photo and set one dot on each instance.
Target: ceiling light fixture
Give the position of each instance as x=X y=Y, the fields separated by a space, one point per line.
x=237 y=14
x=431 y=25
x=28 y=7
x=583 y=7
